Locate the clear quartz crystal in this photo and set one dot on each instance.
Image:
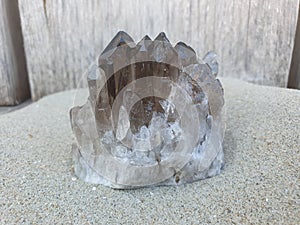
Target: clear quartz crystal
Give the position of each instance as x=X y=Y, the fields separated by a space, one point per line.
x=154 y=116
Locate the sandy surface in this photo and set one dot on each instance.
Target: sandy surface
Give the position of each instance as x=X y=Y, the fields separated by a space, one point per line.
x=7 y=109
x=260 y=183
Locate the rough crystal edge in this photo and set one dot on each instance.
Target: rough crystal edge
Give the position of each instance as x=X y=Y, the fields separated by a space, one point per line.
x=83 y=171
x=150 y=47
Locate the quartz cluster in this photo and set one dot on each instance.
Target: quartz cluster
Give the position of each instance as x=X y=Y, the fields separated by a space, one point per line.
x=153 y=116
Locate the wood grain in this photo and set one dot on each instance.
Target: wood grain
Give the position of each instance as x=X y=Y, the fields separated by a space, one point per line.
x=14 y=86
x=253 y=38
x=294 y=76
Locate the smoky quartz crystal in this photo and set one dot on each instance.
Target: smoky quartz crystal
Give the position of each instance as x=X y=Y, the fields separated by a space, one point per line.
x=154 y=116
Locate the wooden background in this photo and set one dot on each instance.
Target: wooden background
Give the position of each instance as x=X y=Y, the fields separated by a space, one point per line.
x=254 y=39
x=14 y=86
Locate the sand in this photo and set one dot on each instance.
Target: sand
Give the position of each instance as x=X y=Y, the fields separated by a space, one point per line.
x=259 y=184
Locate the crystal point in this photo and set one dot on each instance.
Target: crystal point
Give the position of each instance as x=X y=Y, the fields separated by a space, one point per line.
x=162 y=37
x=121 y=38
x=211 y=60
x=144 y=44
x=186 y=54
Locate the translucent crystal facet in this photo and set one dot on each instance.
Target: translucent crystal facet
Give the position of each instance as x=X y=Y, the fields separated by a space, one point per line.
x=153 y=117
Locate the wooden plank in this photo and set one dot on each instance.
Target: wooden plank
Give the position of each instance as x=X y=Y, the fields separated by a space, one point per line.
x=14 y=87
x=294 y=77
x=253 y=38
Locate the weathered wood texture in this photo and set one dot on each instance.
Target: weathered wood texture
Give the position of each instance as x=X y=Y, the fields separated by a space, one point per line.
x=14 y=87
x=294 y=78
x=253 y=38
